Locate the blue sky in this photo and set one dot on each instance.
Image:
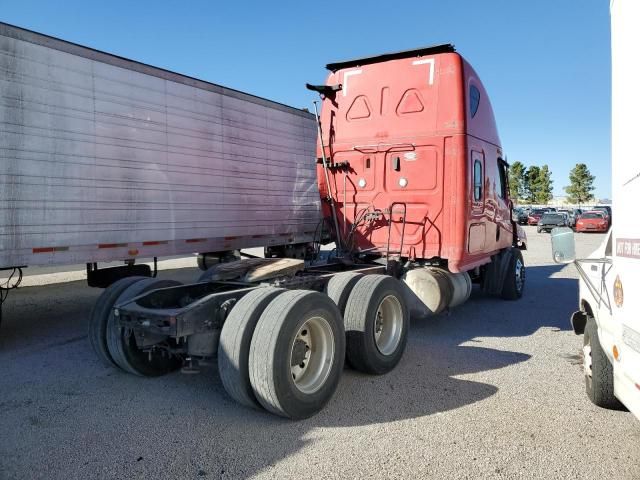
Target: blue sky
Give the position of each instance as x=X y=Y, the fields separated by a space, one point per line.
x=545 y=64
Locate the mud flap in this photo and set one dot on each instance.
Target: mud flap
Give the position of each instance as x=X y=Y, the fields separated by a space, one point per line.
x=578 y=321
x=495 y=272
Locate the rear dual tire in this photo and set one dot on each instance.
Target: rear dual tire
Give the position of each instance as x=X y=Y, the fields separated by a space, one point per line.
x=100 y=316
x=123 y=345
x=116 y=347
x=297 y=354
x=235 y=343
x=339 y=288
x=377 y=324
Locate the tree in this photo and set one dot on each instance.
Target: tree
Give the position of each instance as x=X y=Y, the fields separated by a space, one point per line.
x=545 y=187
x=517 y=181
x=538 y=184
x=581 y=188
x=531 y=177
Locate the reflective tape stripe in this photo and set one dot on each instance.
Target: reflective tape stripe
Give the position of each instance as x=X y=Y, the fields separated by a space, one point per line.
x=50 y=249
x=111 y=245
x=155 y=242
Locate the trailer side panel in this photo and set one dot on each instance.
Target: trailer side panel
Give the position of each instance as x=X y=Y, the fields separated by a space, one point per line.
x=102 y=158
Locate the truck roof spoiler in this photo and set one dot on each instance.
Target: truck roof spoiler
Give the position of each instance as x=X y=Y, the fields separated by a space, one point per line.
x=430 y=50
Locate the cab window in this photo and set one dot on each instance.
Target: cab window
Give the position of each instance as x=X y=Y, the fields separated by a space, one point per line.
x=502 y=179
x=474 y=100
x=477 y=180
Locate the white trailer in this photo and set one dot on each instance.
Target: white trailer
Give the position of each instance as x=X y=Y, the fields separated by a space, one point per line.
x=610 y=277
x=103 y=159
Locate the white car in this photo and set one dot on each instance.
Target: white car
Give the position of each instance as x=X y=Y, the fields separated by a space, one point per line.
x=610 y=277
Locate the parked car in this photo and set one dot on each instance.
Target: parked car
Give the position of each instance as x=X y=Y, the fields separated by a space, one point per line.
x=535 y=215
x=522 y=217
x=606 y=209
x=551 y=220
x=592 y=221
x=573 y=214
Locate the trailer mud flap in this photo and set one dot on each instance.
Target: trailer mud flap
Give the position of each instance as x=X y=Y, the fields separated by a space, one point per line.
x=103 y=277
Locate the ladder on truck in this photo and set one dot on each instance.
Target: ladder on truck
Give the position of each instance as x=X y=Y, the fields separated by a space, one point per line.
x=391 y=263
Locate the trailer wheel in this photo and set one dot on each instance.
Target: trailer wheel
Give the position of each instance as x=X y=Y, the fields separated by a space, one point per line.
x=340 y=286
x=297 y=354
x=100 y=315
x=598 y=371
x=235 y=343
x=122 y=342
x=514 y=280
x=377 y=324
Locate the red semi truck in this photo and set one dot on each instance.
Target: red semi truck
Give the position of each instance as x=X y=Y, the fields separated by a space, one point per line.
x=414 y=190
x=417 y=170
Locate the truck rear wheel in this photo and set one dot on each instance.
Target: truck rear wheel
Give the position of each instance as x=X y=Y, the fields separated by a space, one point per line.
x=339 y=288
x=100 y=315
x=513 y=285
x=297 y=354
x=598 y=371
x=122 y=342
x=235 y=343
x=377 y=324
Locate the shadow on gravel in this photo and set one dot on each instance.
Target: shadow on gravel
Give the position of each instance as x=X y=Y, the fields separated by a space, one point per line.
x=186 y=426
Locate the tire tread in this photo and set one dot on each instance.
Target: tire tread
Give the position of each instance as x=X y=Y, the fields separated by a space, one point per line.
x=235 y=343
x=97 y=325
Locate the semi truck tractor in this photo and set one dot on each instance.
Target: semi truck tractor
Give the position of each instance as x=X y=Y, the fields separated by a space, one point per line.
x=610 y=277
x=401 y=169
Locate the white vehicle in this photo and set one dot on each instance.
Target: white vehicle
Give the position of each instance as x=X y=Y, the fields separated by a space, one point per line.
x=610 y=277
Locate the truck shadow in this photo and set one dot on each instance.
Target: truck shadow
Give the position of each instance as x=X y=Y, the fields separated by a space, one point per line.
x=197 y=430
x=428 y=381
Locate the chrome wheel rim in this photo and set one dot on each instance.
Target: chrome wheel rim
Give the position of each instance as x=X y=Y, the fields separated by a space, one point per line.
x=388 y=326
x=519 y=275
x=311 y=355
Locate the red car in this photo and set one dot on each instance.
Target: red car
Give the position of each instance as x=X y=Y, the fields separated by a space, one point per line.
x=535 y=215
x=594 y=221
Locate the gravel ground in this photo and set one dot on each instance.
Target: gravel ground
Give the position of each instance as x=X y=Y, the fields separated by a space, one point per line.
x=492 y=390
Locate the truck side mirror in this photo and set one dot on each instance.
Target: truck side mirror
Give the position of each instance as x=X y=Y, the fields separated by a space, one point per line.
x=563 y=245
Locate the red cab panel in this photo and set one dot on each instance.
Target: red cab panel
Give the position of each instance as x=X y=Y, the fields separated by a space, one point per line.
x=415 y=157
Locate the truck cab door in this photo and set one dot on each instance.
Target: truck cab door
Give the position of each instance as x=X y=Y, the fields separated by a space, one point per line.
x=602 y=277
x=504 y=227
x=477 y=223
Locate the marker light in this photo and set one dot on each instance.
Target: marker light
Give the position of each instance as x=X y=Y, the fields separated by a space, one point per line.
x=362 y=183
x=403 y=182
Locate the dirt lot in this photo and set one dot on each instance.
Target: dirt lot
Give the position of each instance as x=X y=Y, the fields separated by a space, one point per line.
x=493 y=389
